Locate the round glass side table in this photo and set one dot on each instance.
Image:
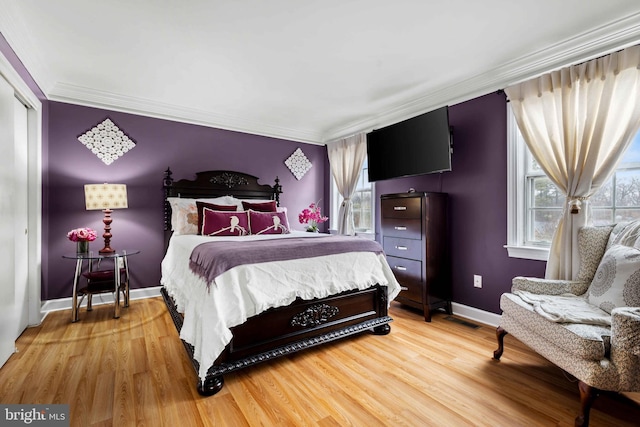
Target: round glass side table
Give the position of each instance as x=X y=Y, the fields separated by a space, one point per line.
x=113 y=280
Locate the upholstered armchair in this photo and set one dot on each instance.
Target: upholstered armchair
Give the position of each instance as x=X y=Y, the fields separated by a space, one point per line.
x=589 y=327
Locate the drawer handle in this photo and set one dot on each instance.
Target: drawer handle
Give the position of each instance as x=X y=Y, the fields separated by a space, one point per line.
x=404 y=288
x=401 y=248
x=401 y=268
x=399 y=208
x=400 y=227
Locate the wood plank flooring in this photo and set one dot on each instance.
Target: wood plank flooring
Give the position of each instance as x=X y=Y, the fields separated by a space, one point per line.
x=134 y=372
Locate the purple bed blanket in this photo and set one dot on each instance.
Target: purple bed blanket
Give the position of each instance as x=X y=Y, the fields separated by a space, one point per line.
x=211 y=259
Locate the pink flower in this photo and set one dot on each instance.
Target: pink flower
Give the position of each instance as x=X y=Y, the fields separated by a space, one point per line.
x=82 y=235
x=312 y=216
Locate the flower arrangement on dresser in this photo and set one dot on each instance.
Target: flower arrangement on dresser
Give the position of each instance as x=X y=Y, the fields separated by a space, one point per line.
x=312 y=216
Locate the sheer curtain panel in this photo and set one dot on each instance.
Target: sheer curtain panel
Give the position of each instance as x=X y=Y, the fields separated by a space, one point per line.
x=346 y=157
x=577 y=123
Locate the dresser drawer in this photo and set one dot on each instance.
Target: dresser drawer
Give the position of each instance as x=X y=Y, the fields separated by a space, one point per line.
x=409 y=275
x=403 y=248
x=404 y=228
x=402 y=207
x=405 y=269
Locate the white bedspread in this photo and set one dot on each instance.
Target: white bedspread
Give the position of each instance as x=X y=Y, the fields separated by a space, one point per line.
x=566 y=308
x=247 y=290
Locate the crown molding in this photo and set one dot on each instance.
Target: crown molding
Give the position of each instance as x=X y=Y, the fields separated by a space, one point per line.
x=78 y=95
x=597 y=42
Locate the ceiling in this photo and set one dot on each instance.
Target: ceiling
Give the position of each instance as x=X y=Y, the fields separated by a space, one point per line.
x=309 y=71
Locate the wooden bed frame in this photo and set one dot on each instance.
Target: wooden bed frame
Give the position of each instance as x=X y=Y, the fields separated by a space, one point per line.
x=300 y=325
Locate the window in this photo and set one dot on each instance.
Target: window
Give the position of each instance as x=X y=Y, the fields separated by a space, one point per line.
x=535 y=204
x=362 y=203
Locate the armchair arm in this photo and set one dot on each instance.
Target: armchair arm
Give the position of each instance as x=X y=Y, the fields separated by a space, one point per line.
x=549 y=286
x=625 y=346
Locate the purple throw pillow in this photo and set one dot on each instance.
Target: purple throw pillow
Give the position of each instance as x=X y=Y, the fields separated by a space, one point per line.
x=218 y=223
x=201 y=205
x=260 y=206
x=268 y=222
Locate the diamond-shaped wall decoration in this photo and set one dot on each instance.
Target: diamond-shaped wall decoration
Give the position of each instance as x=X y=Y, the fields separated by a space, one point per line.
x=107 y=141
x=298 y=164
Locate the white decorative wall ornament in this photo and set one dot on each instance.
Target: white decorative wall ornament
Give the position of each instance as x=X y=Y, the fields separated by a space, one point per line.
x=298 y=164
x=107 y=141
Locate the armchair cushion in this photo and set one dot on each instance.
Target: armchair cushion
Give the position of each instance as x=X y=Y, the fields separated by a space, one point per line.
x=617 y=279
x=548 y=287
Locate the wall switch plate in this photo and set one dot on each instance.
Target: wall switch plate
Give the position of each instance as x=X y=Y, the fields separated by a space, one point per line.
x=477 y=281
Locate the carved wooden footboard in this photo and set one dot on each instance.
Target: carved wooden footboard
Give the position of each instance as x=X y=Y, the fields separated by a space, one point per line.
x=298 y=326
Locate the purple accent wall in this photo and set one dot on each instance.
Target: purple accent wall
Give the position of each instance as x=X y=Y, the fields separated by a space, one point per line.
x=160 y=144
x=477 y=188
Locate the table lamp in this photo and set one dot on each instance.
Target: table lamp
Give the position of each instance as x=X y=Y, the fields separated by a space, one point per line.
x=106 y=197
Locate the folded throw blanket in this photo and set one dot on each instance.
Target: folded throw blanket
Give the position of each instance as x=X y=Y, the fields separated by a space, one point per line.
x=566 y=308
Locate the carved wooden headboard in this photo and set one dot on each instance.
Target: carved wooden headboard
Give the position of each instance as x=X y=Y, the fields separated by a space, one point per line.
x=216 y=184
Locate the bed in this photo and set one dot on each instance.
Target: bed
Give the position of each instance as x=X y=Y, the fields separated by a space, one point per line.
x=257 y=307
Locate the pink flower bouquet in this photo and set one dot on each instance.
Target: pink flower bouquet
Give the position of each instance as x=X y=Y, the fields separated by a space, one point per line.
x=82 y=235
x=312 y=216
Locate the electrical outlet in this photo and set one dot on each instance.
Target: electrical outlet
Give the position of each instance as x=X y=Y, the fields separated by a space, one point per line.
x=477 y=281
x=120 y=262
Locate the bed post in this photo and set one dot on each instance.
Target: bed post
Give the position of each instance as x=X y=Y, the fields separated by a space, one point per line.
x=277 y=190
x=167 y=183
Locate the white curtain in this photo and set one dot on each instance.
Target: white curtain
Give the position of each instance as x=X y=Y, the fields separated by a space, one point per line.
x=346 y=157
x=577 y=123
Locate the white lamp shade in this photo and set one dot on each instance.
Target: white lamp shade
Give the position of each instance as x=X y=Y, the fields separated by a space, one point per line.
x=105 y=196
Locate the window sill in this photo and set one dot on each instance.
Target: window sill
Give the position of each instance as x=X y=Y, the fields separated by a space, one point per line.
x=366 y=234
x=528 y=252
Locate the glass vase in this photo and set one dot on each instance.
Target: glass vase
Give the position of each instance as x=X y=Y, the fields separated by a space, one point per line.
x=82 y=247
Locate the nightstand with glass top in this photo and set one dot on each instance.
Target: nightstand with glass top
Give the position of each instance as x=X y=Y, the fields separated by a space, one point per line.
x=101 y=280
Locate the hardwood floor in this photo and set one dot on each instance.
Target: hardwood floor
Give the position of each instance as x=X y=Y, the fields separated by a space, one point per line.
x=134 y=372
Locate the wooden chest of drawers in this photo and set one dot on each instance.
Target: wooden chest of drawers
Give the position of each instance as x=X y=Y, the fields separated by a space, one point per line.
x=415 y=240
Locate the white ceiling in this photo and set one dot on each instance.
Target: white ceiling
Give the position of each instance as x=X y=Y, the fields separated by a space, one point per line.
x=310 y=71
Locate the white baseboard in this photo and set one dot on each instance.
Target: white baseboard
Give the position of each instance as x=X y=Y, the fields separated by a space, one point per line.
x=98 y=299
x=476 y=314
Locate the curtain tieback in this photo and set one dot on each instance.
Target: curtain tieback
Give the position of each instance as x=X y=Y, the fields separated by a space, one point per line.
x=575 y=203
x=345 y=201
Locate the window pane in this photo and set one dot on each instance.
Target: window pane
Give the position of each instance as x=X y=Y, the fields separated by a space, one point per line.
x=602 y=216
x=604 y=196
x=627 y=215
x=628 y=188
x=544 y=224
x=546 y=194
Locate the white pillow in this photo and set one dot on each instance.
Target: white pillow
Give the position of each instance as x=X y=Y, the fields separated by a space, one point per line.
x=184 y=214
x=617 y=279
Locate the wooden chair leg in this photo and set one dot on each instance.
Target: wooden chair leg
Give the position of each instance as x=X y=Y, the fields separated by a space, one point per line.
x=500 y=333
x=587 y=396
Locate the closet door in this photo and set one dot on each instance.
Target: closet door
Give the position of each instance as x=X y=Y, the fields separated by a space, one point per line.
x=21 y=216
x=7 y=233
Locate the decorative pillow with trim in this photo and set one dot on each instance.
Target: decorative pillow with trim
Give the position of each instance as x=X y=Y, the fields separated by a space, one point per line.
x=184 y=213
x=219 y=223
x=268 y=222
x=617 y=279
x=214 y=207
x=269 y=206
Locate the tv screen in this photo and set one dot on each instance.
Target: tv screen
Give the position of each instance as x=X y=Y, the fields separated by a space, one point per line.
x=416 y=146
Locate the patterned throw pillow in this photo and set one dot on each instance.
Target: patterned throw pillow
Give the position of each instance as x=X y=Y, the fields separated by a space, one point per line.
x=184 y=214
x=214 y=207
x=617 y=279
x=260 y=206
x=218 y=223
x=268 y=222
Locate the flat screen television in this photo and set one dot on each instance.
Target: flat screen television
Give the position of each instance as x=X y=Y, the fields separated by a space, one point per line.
x=415 y=146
